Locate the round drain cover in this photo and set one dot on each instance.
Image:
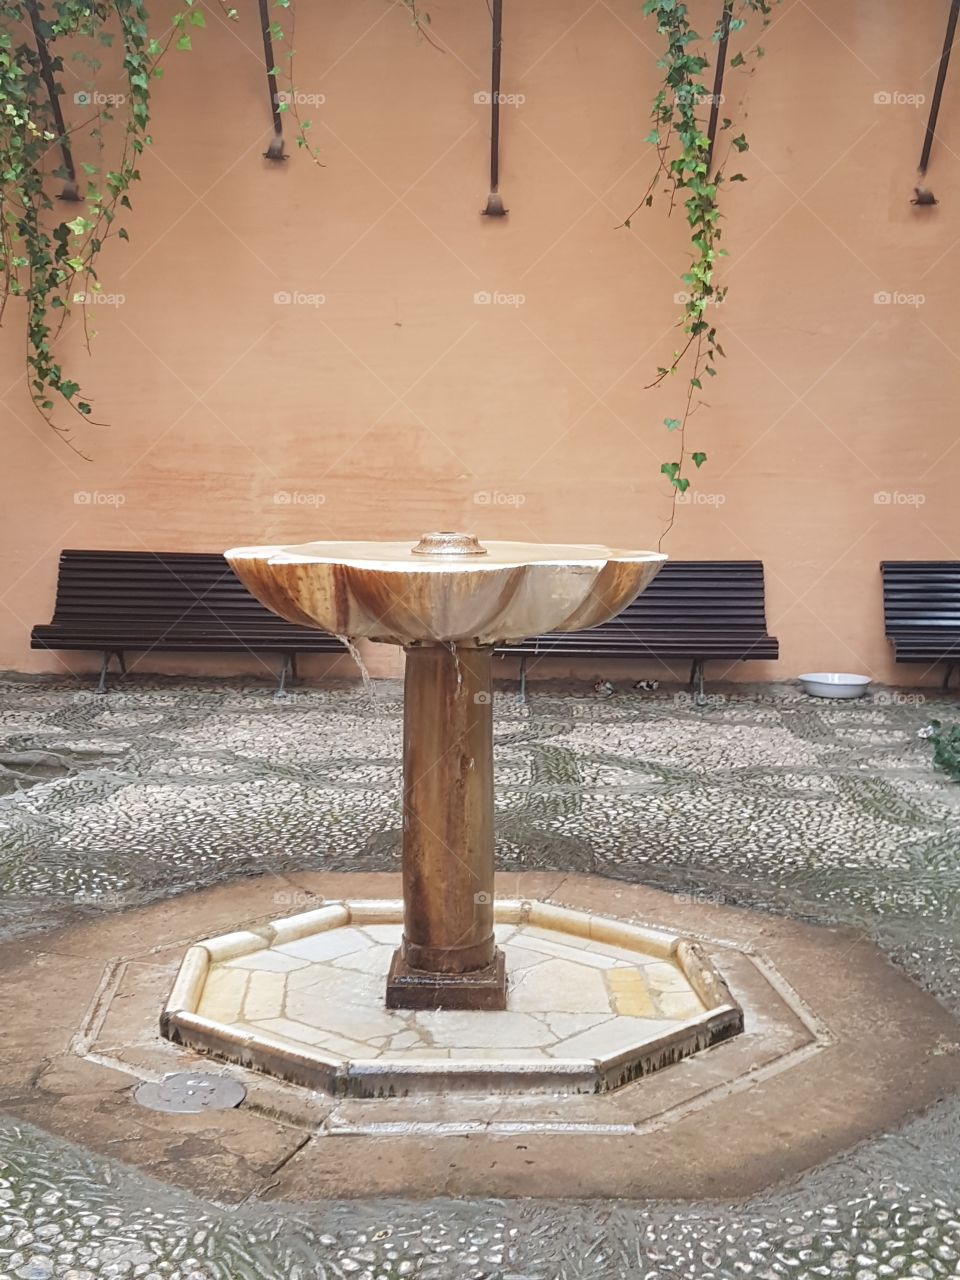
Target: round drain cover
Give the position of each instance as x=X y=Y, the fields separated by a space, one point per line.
x=191 y=1091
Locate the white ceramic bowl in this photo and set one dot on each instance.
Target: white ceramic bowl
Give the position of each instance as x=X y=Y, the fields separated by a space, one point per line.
x=834 y=684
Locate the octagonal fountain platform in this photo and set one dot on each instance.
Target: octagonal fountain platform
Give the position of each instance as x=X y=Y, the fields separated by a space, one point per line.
x=592 y=1004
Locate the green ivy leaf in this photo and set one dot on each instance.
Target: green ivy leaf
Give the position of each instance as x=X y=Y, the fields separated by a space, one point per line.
x=699 y=459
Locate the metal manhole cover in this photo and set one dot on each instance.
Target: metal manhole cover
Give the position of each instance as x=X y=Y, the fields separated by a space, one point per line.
x=190 y=1091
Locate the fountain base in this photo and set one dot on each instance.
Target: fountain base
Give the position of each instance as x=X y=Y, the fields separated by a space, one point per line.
x=409 y=988
x=592 y=1004
x=839 y=1045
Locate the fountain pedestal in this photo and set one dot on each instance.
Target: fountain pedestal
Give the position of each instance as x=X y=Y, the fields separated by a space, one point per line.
x=448 y=958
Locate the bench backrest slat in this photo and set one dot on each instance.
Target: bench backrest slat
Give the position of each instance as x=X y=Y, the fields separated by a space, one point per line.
x=693 y=607
x=165 y=597
x=921 y=594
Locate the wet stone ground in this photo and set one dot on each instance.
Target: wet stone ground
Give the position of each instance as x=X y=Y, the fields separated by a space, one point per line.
x=821 y=810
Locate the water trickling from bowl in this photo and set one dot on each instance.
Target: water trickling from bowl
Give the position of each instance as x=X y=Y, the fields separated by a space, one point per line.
x=350 y=645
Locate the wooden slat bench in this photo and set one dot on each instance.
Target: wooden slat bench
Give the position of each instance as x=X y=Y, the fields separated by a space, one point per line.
x=921 y=611
x=174 y=602
x=696 y=610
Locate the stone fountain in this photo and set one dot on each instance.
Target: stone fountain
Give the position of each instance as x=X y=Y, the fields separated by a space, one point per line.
x=447 y=600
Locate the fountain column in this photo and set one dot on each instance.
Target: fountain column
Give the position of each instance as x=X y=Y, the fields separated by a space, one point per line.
x=448 y=958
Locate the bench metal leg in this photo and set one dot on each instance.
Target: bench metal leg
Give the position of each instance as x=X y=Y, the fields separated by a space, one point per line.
x=288 y=671
x=104 y=664
x=105 y=667
x=696 y=681
x=523 y=678
x=949 y=672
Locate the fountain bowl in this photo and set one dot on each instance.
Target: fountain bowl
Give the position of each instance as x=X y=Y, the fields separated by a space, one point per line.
x=445 y=589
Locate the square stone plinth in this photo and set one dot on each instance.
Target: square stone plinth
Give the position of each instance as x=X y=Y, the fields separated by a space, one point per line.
x=480 y=989
x=591 y=1004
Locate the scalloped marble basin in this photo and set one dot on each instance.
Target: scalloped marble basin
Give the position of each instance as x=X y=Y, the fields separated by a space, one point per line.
x=448 y=588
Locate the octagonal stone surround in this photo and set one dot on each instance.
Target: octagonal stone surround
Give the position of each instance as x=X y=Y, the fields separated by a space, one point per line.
x=838 y=1045
x=593 y=1004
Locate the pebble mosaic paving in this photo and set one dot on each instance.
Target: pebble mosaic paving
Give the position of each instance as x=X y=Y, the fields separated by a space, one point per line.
x=765 y=798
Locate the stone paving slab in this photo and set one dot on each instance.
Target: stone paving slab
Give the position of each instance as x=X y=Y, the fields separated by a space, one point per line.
x=592 y=1003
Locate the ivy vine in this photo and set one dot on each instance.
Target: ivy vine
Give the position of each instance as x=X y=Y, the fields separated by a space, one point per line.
x=50 y=261
x=48 y=258
x=684 y=149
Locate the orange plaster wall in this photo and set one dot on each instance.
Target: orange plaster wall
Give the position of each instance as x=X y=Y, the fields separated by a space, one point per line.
x=400 y=404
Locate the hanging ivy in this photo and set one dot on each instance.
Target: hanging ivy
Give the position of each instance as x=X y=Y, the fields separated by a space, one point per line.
x=49 y=259
x=684 y=150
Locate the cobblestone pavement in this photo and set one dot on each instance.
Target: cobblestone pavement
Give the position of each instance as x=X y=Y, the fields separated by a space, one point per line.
x=766 y=798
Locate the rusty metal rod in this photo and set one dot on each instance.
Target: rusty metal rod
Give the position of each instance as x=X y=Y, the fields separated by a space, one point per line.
x=71 y=190
x=494 y=208
x=275 y=149
x=718 y=78
x=941 y=80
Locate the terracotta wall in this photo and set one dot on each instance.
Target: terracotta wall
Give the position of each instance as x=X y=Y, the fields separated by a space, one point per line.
x=401 y=404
